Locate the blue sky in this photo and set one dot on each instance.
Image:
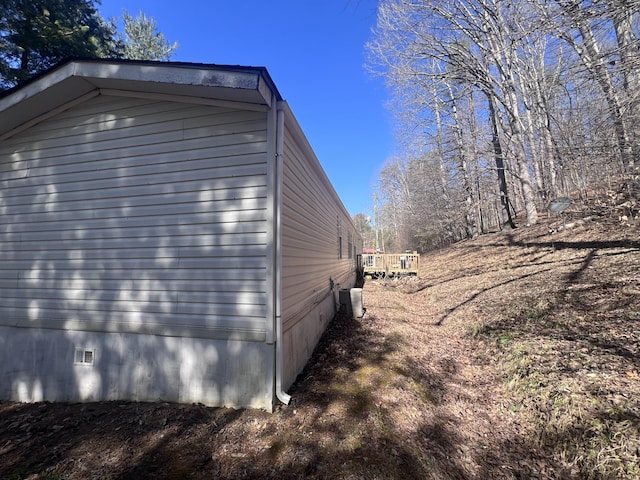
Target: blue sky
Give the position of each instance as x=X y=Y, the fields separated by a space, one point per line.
x=315 y=52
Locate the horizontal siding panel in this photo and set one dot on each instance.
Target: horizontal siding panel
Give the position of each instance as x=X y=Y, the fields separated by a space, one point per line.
x=240 y=310
x=297 y=217
x=80 y=184
x=236 y=224
x=157 y=134
x=91 y=312
x=113 y=301
x=152 y=277
x=8 y=283
x=210 y=147
x=9 y=173
x=299 y=190
x=159 y=254
x=205 y=241
x=223 y=262
x=88 y=138
x=136 y=263
x=136 y=155
x=130 y=212
x=304 y=264
x=209 y=326
x=301 y=245
x=134 y=113
x=302 y=227
x=212 y=287
x=49 y=201
x=164 y=163
x=129 y=215
x=98 y=109
x=86 y=316
x=181 y=221
x=115 y=201
x=18 y=287
x=148 y=155
x=302 y=236
x=109 y=107
x=81 y=117
x=249 y=155
x=155 y=120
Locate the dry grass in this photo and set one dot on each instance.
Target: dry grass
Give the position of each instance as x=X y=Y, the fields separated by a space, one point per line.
x=512 y=356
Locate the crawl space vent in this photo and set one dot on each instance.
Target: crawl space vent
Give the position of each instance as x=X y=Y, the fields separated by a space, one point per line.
x=84 y=356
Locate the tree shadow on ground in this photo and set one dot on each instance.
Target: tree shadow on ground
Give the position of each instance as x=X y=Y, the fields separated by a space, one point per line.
x=572 y=354
x=362 y=365
x=40 y=440
x=593 y=250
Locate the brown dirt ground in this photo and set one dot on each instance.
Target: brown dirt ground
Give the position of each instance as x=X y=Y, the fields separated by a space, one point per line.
x=513 y=356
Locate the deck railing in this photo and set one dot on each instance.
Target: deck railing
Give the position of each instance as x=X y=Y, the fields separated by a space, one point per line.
x=390 y=264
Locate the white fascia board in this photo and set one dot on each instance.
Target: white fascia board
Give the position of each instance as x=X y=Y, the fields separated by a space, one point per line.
x=215 y=83
x=169 y=74
x=37 y=87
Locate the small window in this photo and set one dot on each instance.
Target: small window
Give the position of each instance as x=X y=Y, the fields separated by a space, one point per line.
x=339 y=238
x=350 y=248
x=85 y=356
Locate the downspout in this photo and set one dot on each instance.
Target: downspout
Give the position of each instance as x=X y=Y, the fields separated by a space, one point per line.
x=280 y=393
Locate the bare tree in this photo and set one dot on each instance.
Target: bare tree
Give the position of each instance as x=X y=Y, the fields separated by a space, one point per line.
x=490 y=87
x=582 y=24
x=420 y=40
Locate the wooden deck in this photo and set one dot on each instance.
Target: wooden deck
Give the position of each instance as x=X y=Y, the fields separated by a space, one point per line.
x=390 y=264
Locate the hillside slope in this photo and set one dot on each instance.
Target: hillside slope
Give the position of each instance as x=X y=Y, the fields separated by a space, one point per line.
x=512 y=356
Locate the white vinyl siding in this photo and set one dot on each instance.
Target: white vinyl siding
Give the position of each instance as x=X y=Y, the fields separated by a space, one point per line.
x=134 y=215
x=311 y=216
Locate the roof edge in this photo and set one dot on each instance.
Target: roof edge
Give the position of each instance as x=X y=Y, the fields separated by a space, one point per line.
x=68 y=81
x=262 y=71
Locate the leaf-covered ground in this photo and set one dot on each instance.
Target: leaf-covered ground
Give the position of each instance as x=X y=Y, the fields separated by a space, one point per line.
x=513 y=356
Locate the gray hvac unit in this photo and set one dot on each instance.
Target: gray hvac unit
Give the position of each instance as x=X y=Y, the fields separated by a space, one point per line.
x=356 y=302
x=345 y=302
x=351 y=302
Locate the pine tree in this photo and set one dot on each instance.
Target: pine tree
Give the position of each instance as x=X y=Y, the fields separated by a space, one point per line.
x=143 y=41
x=37 y=34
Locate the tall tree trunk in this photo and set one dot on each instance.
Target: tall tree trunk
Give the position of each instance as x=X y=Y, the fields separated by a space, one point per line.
x=471 y=220
x=504 y=57
x=442 y=170
x=505 y=211
x=536 y=160
x=627 y=46
x=550 y=148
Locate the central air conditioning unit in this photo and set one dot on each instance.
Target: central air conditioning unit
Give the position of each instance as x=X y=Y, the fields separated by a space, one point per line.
x=351 y=302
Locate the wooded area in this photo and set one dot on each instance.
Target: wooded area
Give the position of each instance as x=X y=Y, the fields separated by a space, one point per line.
x=503 y=106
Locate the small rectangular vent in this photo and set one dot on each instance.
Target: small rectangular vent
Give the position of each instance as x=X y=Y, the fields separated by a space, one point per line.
x=85 y=356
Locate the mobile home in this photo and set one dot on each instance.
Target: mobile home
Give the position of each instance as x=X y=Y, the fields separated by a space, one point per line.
x=166 y=233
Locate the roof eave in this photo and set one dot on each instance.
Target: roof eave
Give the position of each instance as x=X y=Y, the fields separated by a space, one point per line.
x=77 y=78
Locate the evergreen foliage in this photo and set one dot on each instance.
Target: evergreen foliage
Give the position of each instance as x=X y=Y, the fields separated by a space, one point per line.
x=143 y=41
x=37 y=34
